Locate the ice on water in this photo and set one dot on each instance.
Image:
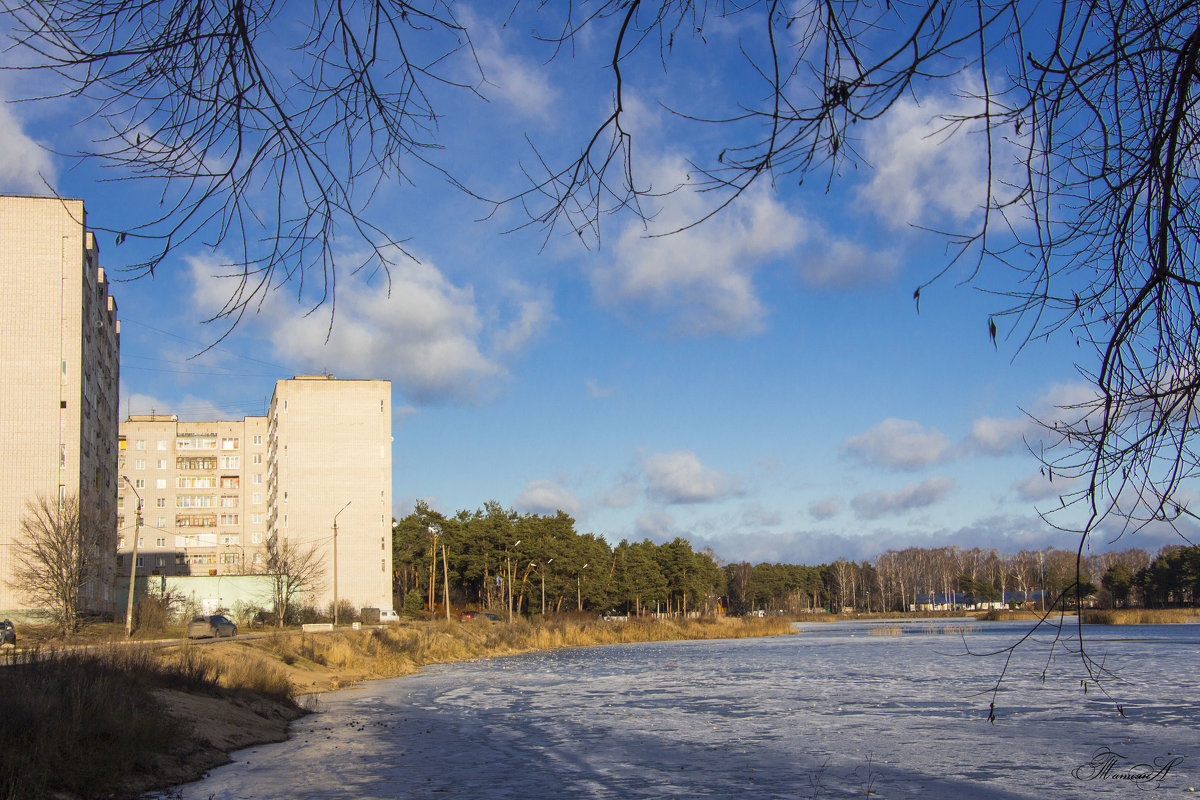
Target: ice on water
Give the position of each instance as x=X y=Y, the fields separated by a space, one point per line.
x=836 y=710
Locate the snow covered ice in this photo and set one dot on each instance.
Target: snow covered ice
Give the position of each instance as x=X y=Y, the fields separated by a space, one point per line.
x=897 y=709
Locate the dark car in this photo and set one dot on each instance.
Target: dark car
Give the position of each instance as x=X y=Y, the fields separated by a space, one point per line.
x=215 y=625
x=468 y=616
x=8 y=633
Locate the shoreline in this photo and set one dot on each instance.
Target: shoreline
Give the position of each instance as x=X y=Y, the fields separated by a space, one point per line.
x=317 y=663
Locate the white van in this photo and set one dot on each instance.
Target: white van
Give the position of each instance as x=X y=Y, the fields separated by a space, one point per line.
x=388 y=615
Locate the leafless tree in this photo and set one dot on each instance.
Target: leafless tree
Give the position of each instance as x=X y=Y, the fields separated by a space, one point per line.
x=59 y=553
x=294 y=571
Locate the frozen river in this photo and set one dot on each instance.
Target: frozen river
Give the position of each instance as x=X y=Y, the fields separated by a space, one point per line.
x=836 y=710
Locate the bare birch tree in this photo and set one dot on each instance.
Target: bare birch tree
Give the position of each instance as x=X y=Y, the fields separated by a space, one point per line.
x=59 y=552
x=294 y=571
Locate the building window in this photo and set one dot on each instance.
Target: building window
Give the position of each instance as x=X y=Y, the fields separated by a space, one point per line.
x=160 y=541
x=139 y=464
x=162 y=463
x=160 y=502
x=229 y=444
x=120 y=561
x=194 y=501
x=229 y=501
x=121 y=543
x=230 y=482
x=201 y=482
x=160 y=522
x=160 y=561
x=161 y=483
x=162 y=444
x=258 y=438
x=258 y=558
x=229 y=558
x=141 y=541
x=229 y=519
x=256 y=498
x=257 y=479
x=141 y=561
x=139 y=483
x=141 y=444
x=256 y=458
x=256 y=538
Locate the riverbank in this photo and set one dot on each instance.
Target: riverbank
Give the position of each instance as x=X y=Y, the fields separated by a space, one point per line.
x=154 y=716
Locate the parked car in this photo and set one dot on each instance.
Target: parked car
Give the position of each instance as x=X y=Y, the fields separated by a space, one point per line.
x=468 y=616
x=388 y=615
x=215 y=625
x=8 y=633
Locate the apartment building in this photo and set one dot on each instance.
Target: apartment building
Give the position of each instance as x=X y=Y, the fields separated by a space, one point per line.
x=58 y=376
x=213 y=492
x=203 y=493
x=330 y=461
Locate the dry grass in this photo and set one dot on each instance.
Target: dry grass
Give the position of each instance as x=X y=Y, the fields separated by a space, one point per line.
x=886 y=630
x=1140 y=616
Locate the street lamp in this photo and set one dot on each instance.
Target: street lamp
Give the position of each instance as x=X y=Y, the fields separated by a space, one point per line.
x=542 y=568
x=335 y=597
x=137 y=531
x=508 y=576
x=578 y=592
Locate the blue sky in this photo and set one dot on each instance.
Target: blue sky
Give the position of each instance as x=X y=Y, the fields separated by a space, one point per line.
x=762 y=384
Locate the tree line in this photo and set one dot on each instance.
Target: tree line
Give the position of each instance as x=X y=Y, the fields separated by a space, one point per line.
x=495 y=558
x=498 y=559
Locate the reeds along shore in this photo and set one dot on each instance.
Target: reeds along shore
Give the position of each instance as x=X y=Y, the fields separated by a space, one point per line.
x=1140 y=616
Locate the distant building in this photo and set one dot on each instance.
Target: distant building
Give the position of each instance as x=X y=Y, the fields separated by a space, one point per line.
x=215 y=492
x=203 y=491
x=58 y=375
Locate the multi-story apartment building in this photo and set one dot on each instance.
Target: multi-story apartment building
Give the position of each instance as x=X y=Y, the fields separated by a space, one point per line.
x=330 y=461
x=58 y=377
x=214 y=492
x=203 y=493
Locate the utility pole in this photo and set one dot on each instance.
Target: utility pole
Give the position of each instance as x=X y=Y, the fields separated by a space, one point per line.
x=137 y=531
x=335 y=597
x=445 y=581
x=578 y=590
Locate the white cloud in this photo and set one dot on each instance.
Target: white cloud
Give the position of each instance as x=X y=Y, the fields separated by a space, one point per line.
x=873 y=505
x=898 y=444
x=680 y=477
x=189 y=409
x=1041 y=485
x=534 y=314
x=596 y=391
x=826 y=507
x=547 y=497
x=834 y=263
x=995 y=436
x=699 y=280
x=922 y=172
x=521 y=82
x=657 y=526
x=25 y=166
x=624 y=492
x=758 y=516
x=427 y=335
